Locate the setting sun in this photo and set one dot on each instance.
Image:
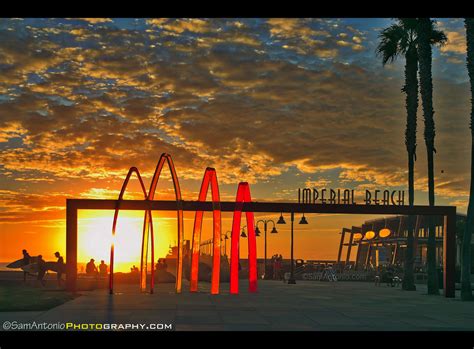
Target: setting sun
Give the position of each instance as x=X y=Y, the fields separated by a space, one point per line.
x=95 y=237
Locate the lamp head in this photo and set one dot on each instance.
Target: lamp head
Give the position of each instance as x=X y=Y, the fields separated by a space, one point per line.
x=281 y=220
x=385 y=232
x=369 y=235
x=274 y=231
x=303 y=220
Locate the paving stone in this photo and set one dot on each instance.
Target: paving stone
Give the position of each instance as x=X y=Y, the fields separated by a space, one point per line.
x=306 y=306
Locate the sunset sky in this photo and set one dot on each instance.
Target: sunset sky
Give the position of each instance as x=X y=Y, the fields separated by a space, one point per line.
x=280 y=103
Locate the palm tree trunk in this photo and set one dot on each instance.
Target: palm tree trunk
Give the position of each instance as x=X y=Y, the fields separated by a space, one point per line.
x=433 y=287
x=411 y=90
x=426 y=90
x=466 y=292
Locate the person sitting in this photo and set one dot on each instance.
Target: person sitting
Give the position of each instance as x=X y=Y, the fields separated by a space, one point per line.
x=165 y=266
x=91 y=269
x=59 y=267
x=103 y=268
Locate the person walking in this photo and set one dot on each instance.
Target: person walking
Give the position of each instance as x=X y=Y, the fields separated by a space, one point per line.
x=26 y=261
x=41 y=270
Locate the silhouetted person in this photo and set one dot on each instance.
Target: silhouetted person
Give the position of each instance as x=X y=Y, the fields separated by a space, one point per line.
x=390 y=275
x=41 y=269
x=26 y=261
x=91 y=269
x=165 y=265
x=102 y=268
x=60 y=267
x=378 y=276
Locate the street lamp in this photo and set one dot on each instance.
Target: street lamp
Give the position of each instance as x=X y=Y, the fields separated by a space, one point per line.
x=225 y=241
x=303 y=220
x=281 y=220
x=274 y=231
x=243 y=232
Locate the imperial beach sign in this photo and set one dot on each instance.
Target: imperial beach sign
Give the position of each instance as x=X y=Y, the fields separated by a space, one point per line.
x=348 y=197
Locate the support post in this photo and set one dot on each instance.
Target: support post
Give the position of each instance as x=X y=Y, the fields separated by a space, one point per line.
x=343 y=233
x=449 y=254
x=265 y=254
x=292 y=280
x=349 y=248
x=71 y=246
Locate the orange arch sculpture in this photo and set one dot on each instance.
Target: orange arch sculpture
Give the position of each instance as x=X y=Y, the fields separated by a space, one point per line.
x=243 y=195
x=147 y=223
x=210 y=177
x=114 y=224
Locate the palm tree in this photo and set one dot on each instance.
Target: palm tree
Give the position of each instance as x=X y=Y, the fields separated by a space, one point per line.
x=466 y=292
x=396 y=40
x=428 y=35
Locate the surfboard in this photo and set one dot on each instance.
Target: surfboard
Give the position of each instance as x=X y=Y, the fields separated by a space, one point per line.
x=20 y=263
x=54 y=266
x=31 y=268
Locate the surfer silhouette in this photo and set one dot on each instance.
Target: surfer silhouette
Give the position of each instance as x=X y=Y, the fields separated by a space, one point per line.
x=41 y=270
x=26 y=261
x=59 y=266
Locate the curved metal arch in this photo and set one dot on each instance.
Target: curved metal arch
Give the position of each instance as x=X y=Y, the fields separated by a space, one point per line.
x=151 y=194
x=243 y=195
x=114 y=224
x=210 y=177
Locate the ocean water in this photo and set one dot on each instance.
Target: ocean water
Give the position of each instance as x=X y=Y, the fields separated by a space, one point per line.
x=3 y=266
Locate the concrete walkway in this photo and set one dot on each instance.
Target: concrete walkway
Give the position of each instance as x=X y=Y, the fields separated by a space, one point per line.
x=308 y=305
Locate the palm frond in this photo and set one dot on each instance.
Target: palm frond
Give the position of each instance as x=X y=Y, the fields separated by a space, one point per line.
x=438 y=37
x=389 y=47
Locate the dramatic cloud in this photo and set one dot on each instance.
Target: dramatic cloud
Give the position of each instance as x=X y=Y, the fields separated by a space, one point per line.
x=281 y=103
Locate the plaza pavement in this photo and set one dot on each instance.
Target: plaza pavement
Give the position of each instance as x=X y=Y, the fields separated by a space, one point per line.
x=308 y=305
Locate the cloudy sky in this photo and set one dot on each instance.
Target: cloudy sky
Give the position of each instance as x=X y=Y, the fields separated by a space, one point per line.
x=280 y=103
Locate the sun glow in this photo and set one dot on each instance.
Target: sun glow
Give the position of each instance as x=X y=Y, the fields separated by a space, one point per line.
x=95 y=237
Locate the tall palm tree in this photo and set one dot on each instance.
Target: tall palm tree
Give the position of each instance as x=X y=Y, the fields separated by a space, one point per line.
x=466 y=292
x=428 y=35
x=396 y=40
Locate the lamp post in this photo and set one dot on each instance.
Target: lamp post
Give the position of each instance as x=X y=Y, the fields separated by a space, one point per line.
x=225 y=241
x=257 y=231
x=303 y=220
x=292 y=280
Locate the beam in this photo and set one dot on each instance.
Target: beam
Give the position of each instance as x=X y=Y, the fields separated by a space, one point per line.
x=343 y=233
x=73 y=205
x=229 y=206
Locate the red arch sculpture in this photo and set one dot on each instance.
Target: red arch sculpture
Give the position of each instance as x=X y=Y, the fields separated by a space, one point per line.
x=151 y=194
x=210 y=177
x=243 y=195
x=114 y=224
